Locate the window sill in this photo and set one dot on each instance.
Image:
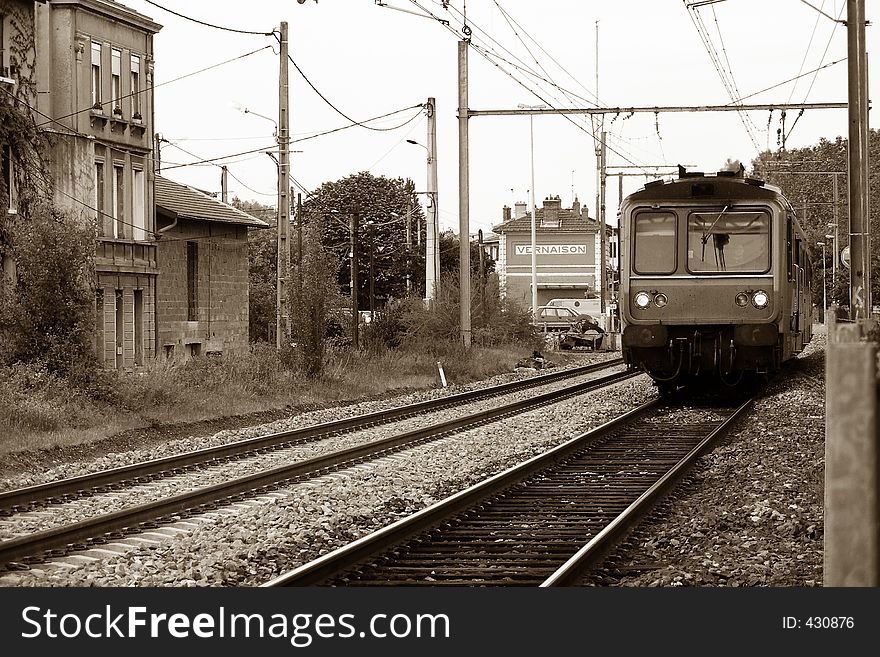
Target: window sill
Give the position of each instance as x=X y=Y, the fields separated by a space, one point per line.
x=97 y=118
x=118 y=124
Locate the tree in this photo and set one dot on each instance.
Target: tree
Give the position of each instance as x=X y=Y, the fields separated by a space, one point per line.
x=812 y=196
x=382 y=205
x=262 y=256
x=450 y=252
x=48 y=313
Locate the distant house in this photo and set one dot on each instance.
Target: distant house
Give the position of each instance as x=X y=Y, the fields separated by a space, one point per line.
x=202 y=292
x=568 y=252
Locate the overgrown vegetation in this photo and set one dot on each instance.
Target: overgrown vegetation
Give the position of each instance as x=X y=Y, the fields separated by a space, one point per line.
x=53 y=392
x=47 y=311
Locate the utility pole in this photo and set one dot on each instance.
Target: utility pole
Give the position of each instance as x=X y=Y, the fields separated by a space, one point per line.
x=282 y=310
x=534 y=249
x=372 y=230
x=299 y=252
x=835 y=251
x=464 y=252
x=432 y=227
x=603 y=242
x=224 y=184
x=355 y=315
x=408 y=242
x=859 y=234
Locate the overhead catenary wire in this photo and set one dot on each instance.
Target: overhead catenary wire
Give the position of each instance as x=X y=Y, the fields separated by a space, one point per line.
x=816 y=73
x=487 y=54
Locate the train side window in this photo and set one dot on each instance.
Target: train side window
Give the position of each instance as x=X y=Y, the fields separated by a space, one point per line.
x=654 y=242
x=788 y=257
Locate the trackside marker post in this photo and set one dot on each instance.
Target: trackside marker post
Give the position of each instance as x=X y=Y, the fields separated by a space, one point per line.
x=442 y=374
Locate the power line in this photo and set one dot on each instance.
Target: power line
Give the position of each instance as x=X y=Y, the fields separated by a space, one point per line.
x=216 y=27
x=220 y=157
x=375 y=118
x=142 y=91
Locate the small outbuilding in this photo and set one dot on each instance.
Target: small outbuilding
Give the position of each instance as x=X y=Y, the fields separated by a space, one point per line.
x=202 y=288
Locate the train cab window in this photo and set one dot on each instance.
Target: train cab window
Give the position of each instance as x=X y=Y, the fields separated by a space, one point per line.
x=654 y=243
x=728 y=241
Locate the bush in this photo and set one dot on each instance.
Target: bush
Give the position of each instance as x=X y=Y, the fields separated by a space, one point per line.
x=47 y=316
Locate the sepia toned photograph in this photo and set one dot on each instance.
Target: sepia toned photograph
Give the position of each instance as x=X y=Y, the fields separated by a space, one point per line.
x=437 y=298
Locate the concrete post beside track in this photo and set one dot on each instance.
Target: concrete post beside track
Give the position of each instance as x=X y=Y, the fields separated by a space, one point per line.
x=852 y=486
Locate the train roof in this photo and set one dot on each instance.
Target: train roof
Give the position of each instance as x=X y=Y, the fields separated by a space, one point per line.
x=724 y=184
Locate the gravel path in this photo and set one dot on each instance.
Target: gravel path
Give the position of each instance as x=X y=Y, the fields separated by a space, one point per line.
x=751 y=515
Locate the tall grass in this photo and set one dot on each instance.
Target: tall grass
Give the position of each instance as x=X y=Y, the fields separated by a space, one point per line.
x=40 y=409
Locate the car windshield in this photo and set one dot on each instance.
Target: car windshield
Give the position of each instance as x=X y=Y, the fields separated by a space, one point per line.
x=728 y=241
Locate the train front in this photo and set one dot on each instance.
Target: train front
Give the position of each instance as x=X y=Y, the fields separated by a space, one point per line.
x=701 y=291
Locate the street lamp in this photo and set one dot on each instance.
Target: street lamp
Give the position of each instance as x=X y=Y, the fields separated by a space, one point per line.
x=532 y=200
x=824 y=297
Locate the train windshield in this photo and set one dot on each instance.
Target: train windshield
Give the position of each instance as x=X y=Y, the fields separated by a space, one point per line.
x=728 y=241
x=654 y=244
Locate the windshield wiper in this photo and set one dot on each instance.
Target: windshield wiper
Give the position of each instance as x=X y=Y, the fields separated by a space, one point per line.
x=705 y=237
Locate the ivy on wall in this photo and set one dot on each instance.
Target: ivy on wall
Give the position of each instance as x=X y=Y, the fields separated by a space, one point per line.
x=19 y=135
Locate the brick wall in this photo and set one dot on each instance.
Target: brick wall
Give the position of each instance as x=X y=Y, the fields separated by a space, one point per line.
x=221 y=322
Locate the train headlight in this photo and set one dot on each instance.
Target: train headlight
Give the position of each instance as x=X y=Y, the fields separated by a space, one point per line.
x=660 y=300
x=742 y=299
x=760 y=299
x=642 y=299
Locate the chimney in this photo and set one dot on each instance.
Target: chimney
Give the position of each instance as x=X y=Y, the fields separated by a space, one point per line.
x=551 y=210
x=505 y=214
x=576 y=208
x=519 y=210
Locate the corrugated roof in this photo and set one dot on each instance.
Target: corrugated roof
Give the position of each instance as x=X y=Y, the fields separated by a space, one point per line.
x=189 y=203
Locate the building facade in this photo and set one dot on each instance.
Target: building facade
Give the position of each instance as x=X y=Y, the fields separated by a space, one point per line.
x=94 y=78
x=568 y=252
x=83 y=70
x=203 y=285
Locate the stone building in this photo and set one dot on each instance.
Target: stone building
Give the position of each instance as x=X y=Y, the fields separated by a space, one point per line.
x=203 y=285
x=84 y=70
x=568 y=252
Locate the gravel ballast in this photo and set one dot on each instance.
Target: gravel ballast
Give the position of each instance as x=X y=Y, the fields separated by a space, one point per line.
x=750 y=515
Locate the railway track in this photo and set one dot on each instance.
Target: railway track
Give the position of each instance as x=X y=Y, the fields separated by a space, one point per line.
x=59 y=541
x=542 y=523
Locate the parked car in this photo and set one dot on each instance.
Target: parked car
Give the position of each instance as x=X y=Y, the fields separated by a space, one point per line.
x=580 y=306
x=556 y=318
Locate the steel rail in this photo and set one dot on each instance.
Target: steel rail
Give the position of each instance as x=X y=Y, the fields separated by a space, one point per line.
x=20 y=497
x=333 y=562
x=128 y=520
x=598 y=546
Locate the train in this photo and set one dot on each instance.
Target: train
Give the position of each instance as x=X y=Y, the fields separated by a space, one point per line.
x=715 y=279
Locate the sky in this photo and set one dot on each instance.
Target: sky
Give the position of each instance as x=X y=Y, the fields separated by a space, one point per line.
x=368 y=60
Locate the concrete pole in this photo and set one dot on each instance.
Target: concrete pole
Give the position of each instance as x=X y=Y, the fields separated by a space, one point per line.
x=408 y=243
x=464 y=257
x=604 y=238
x=282 y=309
x=224 y=184
x=355 y=314
x=432 y=226
x=534 y=224
x=857 y=64
x=836 y=252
